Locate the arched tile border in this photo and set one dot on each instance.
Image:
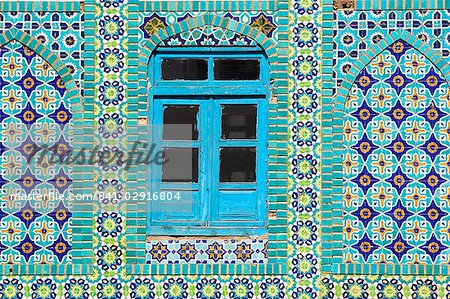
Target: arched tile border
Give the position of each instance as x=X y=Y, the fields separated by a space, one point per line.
x=332 y=167
x=137 y=130
x=82 y=177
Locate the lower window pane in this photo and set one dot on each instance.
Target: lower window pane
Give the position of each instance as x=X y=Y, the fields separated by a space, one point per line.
x=238 y=164
x=180 y=165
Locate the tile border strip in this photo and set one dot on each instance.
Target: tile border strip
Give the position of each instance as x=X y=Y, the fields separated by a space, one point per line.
x=209 y=6
x=401 y=4
x=327 y=135
x=278 y=135
x=46 y=6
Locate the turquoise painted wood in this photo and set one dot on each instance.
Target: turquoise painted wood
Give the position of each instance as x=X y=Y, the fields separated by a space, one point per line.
x=209 y=207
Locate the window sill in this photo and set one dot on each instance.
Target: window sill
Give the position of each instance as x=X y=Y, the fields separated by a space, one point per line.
x=200 y=231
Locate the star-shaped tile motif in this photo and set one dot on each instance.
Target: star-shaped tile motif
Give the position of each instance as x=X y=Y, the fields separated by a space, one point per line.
x=187 y=251
x=60 y=248
x=27 y=247
x=432 y=180
x=398 y=49
x=365 y=180
x=61 y=181
x=29 y=149
x=432 y=114
x=399 y=147
x=28 y=181
x=61 y=116
x=365 y=246
x=399 y=247
x=433 y=247
x=398 y=114
x=59 y=85
x=28 y=83
x=432 y=80
x=432 y=147
x=433 y=214
x=61 y=214
x=399 y=180
x=365 y=81
x=29 y=115
x=27 y=214
x=399 y=213
x=365 y=213
x=365 y=147
x=364 y=114
x=398 y=80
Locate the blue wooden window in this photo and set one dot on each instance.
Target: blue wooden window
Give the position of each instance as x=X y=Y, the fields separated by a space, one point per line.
x=209 y=115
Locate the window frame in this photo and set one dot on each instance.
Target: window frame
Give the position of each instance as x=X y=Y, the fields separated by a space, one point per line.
x=210 y=95
x=204 y=87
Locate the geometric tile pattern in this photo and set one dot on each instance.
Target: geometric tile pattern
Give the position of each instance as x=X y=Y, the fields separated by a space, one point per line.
x=34 y=114
x=62 y=32
x=358 y=31
x=208 y=35
x=178 y=251
x=354 y=33
x=396 y=173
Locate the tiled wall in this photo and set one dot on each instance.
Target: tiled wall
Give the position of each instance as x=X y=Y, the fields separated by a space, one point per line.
x=316 y=74
x=356 y=43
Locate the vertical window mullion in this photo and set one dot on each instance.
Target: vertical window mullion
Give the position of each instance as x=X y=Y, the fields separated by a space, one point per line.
x=214 y=158
x=205 y=148
x=211 y=69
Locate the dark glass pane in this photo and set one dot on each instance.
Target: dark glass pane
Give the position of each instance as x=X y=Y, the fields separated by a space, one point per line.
x=180 y=165
x=180 y=123
x=184 y=69
x=236 y=69
x=238 y=164
x=239 y=121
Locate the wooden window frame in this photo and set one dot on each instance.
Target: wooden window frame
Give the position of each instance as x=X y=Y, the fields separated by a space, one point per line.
x=209 y=95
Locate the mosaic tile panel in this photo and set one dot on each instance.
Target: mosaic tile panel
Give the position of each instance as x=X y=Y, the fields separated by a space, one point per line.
x=36 y=227
x=62 y=33
x=368 y=28
x=304 y=152
x=176 y=251
x=396 y=177
x=208 y=35
x=358 y=31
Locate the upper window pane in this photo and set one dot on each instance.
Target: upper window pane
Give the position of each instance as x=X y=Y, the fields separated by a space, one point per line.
x=180 y=122
x=184 y=69
x=239 y=121
x=236 y=69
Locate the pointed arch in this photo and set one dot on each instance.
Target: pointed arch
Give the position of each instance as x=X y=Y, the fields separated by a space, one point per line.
x=52 y=59
x=267 y=45
x=206 y=19
x=411 y=39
